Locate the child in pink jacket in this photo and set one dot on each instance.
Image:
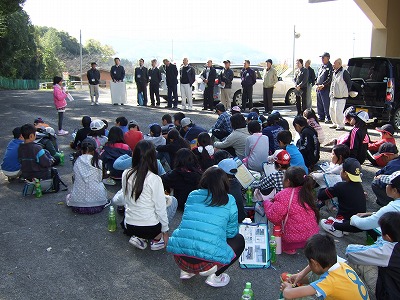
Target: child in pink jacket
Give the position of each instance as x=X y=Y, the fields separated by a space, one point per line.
x=294 y=208
x=59 y=101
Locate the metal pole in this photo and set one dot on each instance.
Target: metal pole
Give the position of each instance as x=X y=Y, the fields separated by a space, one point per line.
x=294 y=45
x=80 y=42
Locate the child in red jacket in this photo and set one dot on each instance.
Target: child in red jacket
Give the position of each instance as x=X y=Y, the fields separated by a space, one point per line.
x=387 y=132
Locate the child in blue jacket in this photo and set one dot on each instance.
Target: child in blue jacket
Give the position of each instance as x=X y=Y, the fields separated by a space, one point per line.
x=11 y=166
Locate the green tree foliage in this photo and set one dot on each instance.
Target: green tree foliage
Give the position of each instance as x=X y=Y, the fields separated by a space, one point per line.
x=8 y=7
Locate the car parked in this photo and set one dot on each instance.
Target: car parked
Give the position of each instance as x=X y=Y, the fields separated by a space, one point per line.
x=283 y=91
x=374 y=89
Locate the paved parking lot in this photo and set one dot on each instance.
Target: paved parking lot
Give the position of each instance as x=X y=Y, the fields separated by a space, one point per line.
x=48 y=252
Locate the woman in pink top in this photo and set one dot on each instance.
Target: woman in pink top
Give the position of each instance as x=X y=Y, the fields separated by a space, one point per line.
x=294 y=208
x=59 y=101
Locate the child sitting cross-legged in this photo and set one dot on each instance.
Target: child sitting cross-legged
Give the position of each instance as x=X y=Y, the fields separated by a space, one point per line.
x=10 y=166
x=351 y=199
x=336 y=280
x=379 y=264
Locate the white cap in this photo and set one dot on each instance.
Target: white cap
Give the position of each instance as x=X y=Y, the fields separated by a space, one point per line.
x=97 y=124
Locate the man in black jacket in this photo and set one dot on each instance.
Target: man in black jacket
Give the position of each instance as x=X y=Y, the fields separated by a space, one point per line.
x=323 y=83
x=93 y=76
x=141 y=79
x=225 y=79
x=249 y=78
x=209 y=75
x=301 y=80
x=117 y=71
x=171 y=73
x=154 y=76
x=187 y=78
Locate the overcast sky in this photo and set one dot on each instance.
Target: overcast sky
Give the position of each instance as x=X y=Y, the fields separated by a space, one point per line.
x=253 y=29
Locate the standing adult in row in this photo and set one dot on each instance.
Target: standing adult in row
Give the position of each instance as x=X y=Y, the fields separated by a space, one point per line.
x=301 y=80
x=117 y=87
x=324 y=80
x=270 y=79
x=339 y=92
x=171 y=73
x=141 y=79
x=93 y=76
x=225 y=80
x=209 y=75
x=249 y=78
x=154 y=76
x=187 y=78
x=311 y=82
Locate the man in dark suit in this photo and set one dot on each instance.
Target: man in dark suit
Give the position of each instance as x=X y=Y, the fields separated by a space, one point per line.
x=141 y=79
x=154 y=76
x=301 y=80
x=171 y=73
x=209 y=75
x=117 y=71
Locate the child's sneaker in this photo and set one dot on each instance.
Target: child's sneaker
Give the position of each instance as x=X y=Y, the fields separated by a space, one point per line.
x=209 y=271
x=218 y=281
x=186 y=275
x=138 y=242
x=327 y=225
x=157 y=245
x=62 y=132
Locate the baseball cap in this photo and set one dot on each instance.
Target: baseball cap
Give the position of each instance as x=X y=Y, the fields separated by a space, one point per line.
x=272 y=118
x=276 y=112
x=235 y=109
x=97 y=124
x=352 y=168
x=394 y=179
x=325 y=54
x=269 y=60
x=282 y=157
x=363 y=116
x=388 y=148
x=220 y=106
x=93 y=63
x=388 y=128
x=133 y=122
x=185 y=122
x=155 y=129
x=252 y=116
x=228 y=165
x=38 y=120
x=227 y=61
x=50 y=131
x=89 y=141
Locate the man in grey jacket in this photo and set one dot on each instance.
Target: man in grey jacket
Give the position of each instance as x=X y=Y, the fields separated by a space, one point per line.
x=270 y=79
x=301 y=80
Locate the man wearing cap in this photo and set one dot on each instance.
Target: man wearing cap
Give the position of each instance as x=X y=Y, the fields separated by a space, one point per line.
x=191 y=130
x=171 y=73
x=324 y=79
x=222 y=127
x=141 y=79
x=386 y=132
x=187 y=78
x=248 y=77
x=339 y=92
x=270 y=79
x=93 y=76
x=154 y=76
x=209 y=75
x=225 y=80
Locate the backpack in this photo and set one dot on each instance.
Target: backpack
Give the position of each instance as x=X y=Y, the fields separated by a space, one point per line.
x=48 y=185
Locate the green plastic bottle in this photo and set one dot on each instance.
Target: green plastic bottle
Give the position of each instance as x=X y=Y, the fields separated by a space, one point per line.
x=272 y=249
x=62 y=159
x=251 y=293
x=112 y=220
x=38 y=189
x=246 y=295
x=249 y=197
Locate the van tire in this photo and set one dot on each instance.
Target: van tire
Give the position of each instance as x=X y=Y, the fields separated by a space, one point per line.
x=237 y=99
x=396 y=119
x=290 y=98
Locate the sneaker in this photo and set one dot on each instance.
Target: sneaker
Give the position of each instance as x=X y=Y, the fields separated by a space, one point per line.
x=62 y=132
x=327 y=225
x=157 y=245
x=333 y=126
x=138 y=242
x=209 y=271
x=328 y=122
x=218 y=281
x=109 y=181
x=186 y=275
x=92 y=103
x=97 y=103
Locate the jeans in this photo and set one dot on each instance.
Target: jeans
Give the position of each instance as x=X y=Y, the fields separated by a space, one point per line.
x=173 y=93
x=323 y=101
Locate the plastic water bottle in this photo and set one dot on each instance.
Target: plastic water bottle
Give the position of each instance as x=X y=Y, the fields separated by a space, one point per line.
x=246 y=294
x=249 y=197
x=112 y=220
x=62 y=160
x=251 y=293
x=278 y=238
x=38 y=189
x=272 y=249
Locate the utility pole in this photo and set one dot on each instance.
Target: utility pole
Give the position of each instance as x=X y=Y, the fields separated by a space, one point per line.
x=80 y=43
x=296 y=35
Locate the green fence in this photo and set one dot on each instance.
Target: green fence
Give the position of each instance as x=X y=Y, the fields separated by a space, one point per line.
x=18 y=84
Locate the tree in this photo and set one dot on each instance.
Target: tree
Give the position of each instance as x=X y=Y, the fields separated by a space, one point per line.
x=8 y=7
x=50 y=46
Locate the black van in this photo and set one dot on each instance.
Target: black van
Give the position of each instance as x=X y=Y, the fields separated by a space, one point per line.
x=375 y=81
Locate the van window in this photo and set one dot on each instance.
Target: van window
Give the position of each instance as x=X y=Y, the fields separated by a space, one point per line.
x=236 y=72
x=369 y=70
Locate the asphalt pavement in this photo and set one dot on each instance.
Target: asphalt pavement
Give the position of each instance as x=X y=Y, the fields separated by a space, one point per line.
x=48 y=252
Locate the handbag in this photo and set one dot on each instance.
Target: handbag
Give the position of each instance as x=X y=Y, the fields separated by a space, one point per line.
x=246 y=159
x=287 y=214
